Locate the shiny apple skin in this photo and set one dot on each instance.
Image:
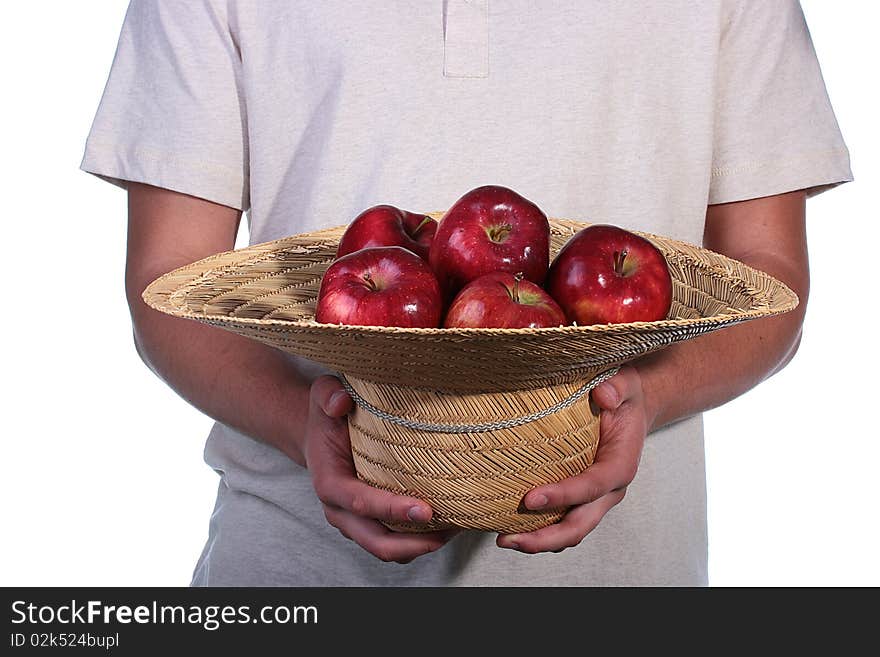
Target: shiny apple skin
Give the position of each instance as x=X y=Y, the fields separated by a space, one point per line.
x=584 y=281
x=464 y=249
x=489 y=302
x=386 y=225
x=380 y=286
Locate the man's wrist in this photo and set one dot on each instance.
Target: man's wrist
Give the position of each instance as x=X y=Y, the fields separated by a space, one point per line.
x=293 y=420
x=655 y=389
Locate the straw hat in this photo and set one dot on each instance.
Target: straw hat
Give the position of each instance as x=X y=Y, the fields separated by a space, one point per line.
x=467 y=419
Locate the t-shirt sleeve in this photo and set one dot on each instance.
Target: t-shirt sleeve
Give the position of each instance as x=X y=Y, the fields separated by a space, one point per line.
x=172 y=113
x=775 y=130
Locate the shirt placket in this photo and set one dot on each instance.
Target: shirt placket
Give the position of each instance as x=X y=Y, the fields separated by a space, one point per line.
x=466 y=38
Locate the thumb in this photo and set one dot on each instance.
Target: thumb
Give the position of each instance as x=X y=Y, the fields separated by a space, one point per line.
x=328 y=395
x=624 y=385
x=326 y=444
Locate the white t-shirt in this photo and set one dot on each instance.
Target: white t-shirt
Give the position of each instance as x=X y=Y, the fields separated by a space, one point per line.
x=303 y=114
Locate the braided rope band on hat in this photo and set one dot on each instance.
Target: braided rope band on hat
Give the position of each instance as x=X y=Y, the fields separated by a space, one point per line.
x=477 y=428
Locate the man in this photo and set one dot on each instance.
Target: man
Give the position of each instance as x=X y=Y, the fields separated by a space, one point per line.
x=707 y=122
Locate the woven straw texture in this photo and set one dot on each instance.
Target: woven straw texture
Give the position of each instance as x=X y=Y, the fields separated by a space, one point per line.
x=473 y=479
x=452 y=376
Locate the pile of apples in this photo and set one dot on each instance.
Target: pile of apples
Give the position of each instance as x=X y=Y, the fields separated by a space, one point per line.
x=486 y=264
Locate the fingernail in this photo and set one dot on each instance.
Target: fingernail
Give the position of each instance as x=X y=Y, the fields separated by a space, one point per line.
x=536 y=501
x=611 y=393
x=513 y=542
x=336 y=397
x=418 y=514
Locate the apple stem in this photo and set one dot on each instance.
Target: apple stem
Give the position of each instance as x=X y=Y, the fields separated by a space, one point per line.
x=424 y=223
x=370 y=282
x=499 y=233
x=516 y=279
x=619 y=257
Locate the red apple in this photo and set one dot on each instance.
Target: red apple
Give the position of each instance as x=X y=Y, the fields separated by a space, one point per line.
x=385 y=225
x=490 y=229
x=606 y=274
x=380 y=286
x=503 y=300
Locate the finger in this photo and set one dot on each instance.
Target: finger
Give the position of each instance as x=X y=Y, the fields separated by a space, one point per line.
x=327 y=435
x=568 y=532
x=616 y=465
x=594 y=483
x=624 y=385
x=329 y=395
x=333 y=472
x=383 y=543
x=343 y=490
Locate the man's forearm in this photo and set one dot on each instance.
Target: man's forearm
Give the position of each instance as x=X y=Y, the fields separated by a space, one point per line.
x=248 y=386
x=700 y=374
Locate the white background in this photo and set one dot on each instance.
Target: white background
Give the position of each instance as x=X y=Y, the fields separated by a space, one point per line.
x=102 y=477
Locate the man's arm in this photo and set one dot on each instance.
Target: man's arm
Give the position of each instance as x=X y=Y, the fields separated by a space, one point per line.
x=689 y=377
x=768 y=234
x=253 y=387
x=237 y=381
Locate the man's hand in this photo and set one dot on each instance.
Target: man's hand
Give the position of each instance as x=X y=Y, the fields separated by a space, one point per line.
x=260 y=391
x=350 y=505
x=623 y=426
x=689 y=377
